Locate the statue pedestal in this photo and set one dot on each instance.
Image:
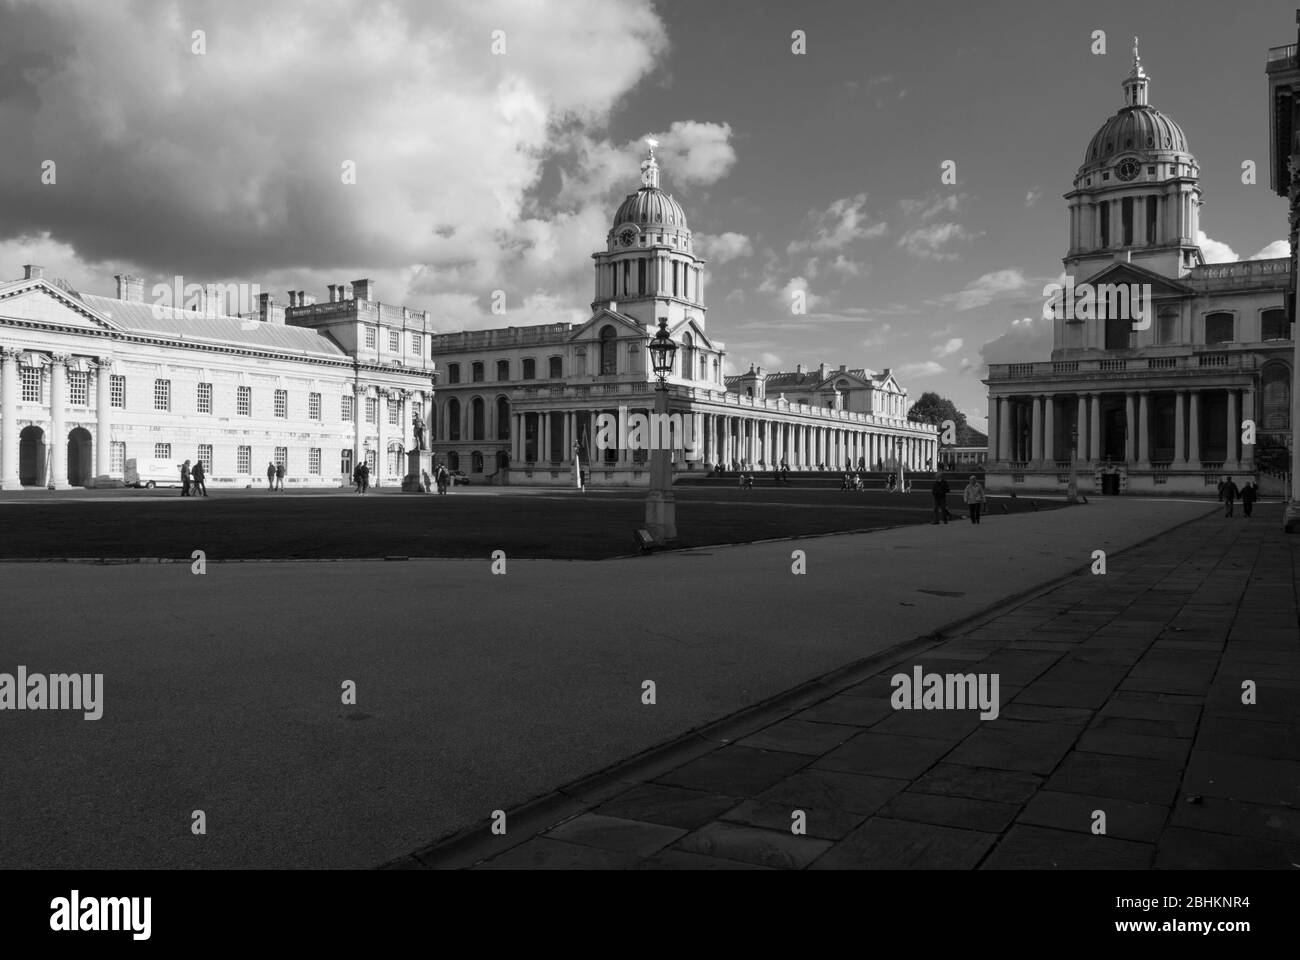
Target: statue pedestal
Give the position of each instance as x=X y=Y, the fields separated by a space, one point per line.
x=418 y=463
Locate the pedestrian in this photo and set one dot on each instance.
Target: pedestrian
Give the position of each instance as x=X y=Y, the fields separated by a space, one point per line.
x=279 y=476
x=1249 y=494
x=442 y=479
x=200 y=479
x=356 y=478
x=270 y=476
x=973 y=495
x=185 y=479
x=1229 y=495
x=939 y=491
x=365 y=477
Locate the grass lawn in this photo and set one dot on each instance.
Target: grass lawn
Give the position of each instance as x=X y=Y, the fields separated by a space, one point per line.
x=557 y=524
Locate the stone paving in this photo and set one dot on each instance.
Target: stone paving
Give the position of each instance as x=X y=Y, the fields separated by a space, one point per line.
x=1120 y=693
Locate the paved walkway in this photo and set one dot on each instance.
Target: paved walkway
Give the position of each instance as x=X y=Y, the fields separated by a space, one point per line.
x=1121 y=695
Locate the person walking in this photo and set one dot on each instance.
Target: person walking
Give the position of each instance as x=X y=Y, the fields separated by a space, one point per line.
x=442 y=479
x=185 y=479
x=200 y=479
x=1249 y=494
x=1229 y=496
x=365 y=476
x=356 y=478
x=270 y=476
x=973 y=496
x=939 y=491
x=279 y=476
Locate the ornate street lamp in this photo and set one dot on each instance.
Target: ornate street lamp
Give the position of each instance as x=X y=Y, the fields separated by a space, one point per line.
x=661 y=507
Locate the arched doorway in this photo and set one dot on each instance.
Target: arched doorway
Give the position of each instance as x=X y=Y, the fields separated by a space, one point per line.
x=31 y=457
x=79 y=457
x=503 y=460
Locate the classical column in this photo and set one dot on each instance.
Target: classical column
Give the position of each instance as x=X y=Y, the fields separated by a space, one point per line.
x=104 y=416
x=1095 y=431
x=1081 y=423
x=515 y=437
x=1049 y=428
x=1004 y=428
x=1144 y=427
x=1231 y=461
x=59 y=433
x=1130 y=427
x=381 y=418
x=1194 y=430
x=994 y=453
x=1180 y=418
x=1036 y=429
x=8 y=419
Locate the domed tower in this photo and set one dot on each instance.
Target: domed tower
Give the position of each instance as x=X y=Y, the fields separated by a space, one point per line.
x=648 y=268
x=1137 y=195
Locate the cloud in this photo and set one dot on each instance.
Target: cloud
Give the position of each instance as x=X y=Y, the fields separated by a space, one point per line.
x=1278 y=248
x=999 y=284
x=850 y=268
x=928 y=242
x=841 y=224
x=769 y=361
x=1032 y=196
x=949 y=348
x=786 y=297
x=1025 y=340
x=1214 y=251
x=926 y=368
x=923 y=208
x=879 y=338
x=723 y=247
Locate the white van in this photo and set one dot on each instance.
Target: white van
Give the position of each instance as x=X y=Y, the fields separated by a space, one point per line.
x=152 y=473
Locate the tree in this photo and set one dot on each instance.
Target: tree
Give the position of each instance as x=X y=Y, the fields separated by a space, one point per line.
x=934 y=409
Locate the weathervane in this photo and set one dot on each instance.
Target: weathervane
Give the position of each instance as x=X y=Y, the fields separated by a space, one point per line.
x=649 y=166
x=1137 y=59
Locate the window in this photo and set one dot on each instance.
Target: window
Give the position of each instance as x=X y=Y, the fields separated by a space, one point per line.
x=477 y=419
x=392 y=414
x=530 y=370
x=1105 y=224
x=116 y=456
x=1218 y=328
x=476 y=462
x=313 y=461
x=244 y=401
x=674 y=278
x=1118 y=332
x=503 y=418
x=162 y=394
x=205 y=456
x=1274 y=326
x=347 y=405
x=416 y=345
x=453 y=373
x=608 y=351
x=78 y=388
x=476 y=371
x=557 y=368
x=282 y=404
x=503 y=369
x=313 y=406
x=453 y=419
x=203 y=402
x=345 y=462
x=453 y=460
x=395 y=459
x=640 y=276
x=372 y=410
x=243 y=460
x=627 y=277
x=117 y=391
x=1168 y=326
x=282 y=458
x=688 y=355
x=394 y=341
x=371 y=337
x=704 y=368
x=1126 y=218
x=1153 y=216
x=162 y=451
x=1275 y=397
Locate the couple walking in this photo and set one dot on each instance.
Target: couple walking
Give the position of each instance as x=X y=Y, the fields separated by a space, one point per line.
x=274 y=476
x=973 y=496
x=193 y=479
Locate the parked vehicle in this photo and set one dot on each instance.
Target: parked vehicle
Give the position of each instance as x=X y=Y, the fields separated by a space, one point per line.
x=458 y=478
x=151 y=473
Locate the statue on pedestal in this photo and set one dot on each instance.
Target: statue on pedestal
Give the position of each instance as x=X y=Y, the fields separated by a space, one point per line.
x=419 y=433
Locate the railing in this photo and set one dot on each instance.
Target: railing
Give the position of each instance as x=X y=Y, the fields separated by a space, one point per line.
x=1212 y=360
x=1065 y=366
x=1184 y=363
x=1113 y=366
x=1281 y=53
x=1161 y=363
x=1241 y=270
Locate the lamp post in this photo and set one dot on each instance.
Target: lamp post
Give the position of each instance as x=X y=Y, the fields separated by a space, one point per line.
x=898 y=452
x=660 y=506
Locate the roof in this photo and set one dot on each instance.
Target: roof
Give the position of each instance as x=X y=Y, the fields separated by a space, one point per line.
x=138 y=317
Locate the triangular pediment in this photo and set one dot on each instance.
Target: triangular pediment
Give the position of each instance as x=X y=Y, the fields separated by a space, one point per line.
x=1131 y=273
x=692 y=325
x=40 y=302
x=624 y=325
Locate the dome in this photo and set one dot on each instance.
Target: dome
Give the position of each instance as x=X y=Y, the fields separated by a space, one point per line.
x=1142 y=128
x=651 y=206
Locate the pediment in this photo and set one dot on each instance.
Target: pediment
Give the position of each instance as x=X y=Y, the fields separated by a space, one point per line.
x=692 y=325
x=39 y=302
x=626 y=326
x=1128 y=273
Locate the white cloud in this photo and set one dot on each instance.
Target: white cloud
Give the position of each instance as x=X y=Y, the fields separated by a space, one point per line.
x=1024 y=341
x=844 y=265
x=769 y=361
x=981 y=292
x=926 y=207
x=926 y=368
x=1278 y=248
x=1214 y=251
x=879 y=338
x=949 y=348
x=928 y=242
x=723 y=247
x=1032 y=196
x=842 y=223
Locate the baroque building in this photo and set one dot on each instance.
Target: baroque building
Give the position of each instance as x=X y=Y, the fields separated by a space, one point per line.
x=1163 y=368
x=89 y=382
x=517 y=404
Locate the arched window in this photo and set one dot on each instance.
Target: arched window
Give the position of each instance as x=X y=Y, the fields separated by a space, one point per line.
x=1274 y=326
x=688 y=355
x=476 y=371
x=608 y=351
x=1218 y=328
x=453 y=419
x=503 y=418
x=477 y=411
x=1275 y=397
x=476 y=462
x=704 y=367
x=453 y=460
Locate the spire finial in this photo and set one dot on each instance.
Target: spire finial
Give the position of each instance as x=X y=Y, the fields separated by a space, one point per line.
x=1137 y=60
x=650 y=166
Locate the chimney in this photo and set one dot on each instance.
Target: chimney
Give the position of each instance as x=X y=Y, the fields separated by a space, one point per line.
x=268 y=310
x=363 y=289
x=130 y=288
x=293 y=298
x=843 y=367
x=332 y=289
x=33 y=272
x=821 y=371
x=798 y=368
x=343 y=292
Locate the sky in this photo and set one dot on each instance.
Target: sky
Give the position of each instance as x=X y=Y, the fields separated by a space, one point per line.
x=492 y=140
